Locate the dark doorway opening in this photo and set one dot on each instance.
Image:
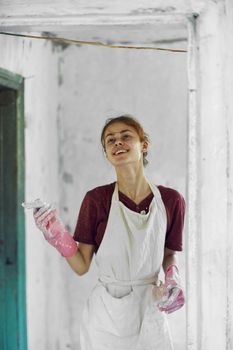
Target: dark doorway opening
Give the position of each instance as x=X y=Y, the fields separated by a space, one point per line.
x=12 y=238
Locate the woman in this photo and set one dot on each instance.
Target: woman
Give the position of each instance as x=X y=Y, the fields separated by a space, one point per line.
x=134 y=227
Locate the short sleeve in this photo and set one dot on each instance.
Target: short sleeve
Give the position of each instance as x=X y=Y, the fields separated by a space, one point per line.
x=174 y=236
x=85 y=230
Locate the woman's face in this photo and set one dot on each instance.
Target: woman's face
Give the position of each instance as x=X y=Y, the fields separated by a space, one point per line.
x=122 y=144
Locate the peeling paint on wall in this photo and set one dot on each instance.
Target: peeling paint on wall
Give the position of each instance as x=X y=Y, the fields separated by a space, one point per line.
x=59 y=73
x=153 y=10
x=67 y=177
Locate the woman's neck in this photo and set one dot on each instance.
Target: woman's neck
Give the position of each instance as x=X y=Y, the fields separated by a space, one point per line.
x=133 y=183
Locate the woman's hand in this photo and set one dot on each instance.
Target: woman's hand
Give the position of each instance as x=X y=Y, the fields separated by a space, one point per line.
x=54 y=231
x=172 y=296
x=44 y=217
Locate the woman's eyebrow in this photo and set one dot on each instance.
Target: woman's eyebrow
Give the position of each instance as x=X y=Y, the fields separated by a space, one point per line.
x=110 y=134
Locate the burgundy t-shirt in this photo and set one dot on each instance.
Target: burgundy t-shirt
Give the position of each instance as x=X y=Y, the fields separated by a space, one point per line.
x=95 y=208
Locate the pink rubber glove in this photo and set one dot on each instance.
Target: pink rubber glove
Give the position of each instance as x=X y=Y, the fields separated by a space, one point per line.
x=173 y=296
x=54 y=231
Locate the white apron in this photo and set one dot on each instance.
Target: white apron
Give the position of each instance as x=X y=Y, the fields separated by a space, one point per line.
x=121 y=313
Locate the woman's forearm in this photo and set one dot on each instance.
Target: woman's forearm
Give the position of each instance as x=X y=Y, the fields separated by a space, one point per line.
x=81 y=260
x=77 y=263
x=168 y=260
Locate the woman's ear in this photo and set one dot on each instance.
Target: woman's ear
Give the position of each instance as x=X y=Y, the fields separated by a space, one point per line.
x=145 y=146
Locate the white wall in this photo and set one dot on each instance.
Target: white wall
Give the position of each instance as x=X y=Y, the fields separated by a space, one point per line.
x=100 y=82
x=228 y=88
x=37 y=62
x=215 y=272
x=69 y=12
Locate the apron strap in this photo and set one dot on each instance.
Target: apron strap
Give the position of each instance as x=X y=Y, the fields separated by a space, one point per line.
x=123 y=283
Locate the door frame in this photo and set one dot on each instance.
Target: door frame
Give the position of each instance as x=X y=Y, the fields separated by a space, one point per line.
x=16 y=82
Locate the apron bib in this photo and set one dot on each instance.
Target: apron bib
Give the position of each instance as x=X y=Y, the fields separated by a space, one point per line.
x=121 y=313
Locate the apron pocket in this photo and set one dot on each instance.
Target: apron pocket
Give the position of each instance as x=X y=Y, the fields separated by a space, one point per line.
x=118 y=316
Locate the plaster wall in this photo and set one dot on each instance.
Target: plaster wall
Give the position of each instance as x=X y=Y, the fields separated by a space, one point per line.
x=37 y=63
x=97 y=83
x=209 y=273
x=215 y=273
x=69 y=11
x=228 y=89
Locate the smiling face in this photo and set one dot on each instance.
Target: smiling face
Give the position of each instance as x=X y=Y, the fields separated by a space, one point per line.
x=122 y=144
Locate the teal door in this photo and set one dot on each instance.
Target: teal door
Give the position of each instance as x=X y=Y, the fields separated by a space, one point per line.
x=12 y=242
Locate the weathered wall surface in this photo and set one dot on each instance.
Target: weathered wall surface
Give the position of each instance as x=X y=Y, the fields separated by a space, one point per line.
x=215 y=177
x=102 y=11
x=37 y=62
x=209 y=245
x=228 y=103
x=97 y=83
